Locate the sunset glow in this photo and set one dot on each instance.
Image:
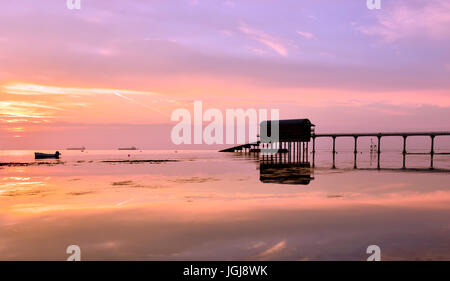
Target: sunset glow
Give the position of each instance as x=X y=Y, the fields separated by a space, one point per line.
x=224 y=130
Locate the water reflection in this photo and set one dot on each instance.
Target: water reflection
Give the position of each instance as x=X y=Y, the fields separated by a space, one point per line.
x=215 y=206
x=285 y=173
x=276 y=170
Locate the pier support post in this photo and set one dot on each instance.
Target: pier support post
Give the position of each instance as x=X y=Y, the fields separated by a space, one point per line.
x=334 y=152
x=279 y=152
x=303 y=151
x=271 y=152
x=314 y=151
x=314 y=144
x=404 y=144
x=307 y=152
x=379 y=144
x=289 y=152
x=313 y=160
x=432 y=152
x=404 y=152
x=432 y=144
x=379 y=151
x=334 y=145
x=355 y=152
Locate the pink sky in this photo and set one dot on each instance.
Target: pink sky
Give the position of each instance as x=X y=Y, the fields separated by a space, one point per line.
x=111 y=73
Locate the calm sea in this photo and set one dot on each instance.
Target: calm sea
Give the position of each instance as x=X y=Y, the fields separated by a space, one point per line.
x=124 y=205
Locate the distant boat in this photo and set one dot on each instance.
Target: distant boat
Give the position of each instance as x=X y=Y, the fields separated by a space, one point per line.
x=77 y=148
x=128 y=148
x=39 y=155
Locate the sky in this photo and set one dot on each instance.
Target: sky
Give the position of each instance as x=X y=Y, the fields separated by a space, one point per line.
x=112 y=73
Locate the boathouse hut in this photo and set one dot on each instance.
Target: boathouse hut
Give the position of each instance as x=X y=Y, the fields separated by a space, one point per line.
x=292 y=130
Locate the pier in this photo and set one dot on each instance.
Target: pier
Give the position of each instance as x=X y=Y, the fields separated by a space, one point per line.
x=404 y=135
x=295 y=135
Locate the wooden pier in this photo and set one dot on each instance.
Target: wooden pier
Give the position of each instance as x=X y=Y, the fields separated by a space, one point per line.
x=292 y=144
x=404 y=135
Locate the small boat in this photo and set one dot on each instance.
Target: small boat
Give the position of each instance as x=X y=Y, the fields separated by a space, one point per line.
x=39 y=155
x=128 y=148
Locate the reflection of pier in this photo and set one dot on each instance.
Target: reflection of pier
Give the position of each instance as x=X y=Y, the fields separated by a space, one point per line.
x=279 y=168
x=285 y=173
x=355 y=136
x=301 y=173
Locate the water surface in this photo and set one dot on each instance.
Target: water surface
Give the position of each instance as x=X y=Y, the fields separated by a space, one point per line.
x=213 y=206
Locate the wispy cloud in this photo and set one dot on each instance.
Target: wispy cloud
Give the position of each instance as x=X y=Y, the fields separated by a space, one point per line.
x=273 y=251
x=35 y=89
x=140 y=103
x=19 y=109
x=431 y=19
x=306 y=35
x=264 y=38
x=9 y=104
x=35 y=102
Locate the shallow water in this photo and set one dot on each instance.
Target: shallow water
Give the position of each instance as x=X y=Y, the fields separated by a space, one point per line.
x=215 y=206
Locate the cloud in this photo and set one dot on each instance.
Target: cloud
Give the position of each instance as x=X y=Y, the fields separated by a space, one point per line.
x=273 y=251
x=430 y=19
x=256 y=50
x=141 y=104
x=35 y=89
x=36 y=102
x=264 y=38
x=306 y=35
x=20 y=109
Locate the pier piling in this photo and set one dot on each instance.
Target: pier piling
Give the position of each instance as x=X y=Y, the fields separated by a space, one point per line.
x=404 y=144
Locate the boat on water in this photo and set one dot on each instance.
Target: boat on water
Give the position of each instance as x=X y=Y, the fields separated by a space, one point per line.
x=77 y=148
x=128 y=148
x=39 y=155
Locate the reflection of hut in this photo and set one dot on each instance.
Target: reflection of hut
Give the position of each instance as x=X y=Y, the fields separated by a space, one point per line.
x=285 y=173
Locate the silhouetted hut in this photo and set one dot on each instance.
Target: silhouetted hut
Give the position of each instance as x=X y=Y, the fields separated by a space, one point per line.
x=293 y=130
